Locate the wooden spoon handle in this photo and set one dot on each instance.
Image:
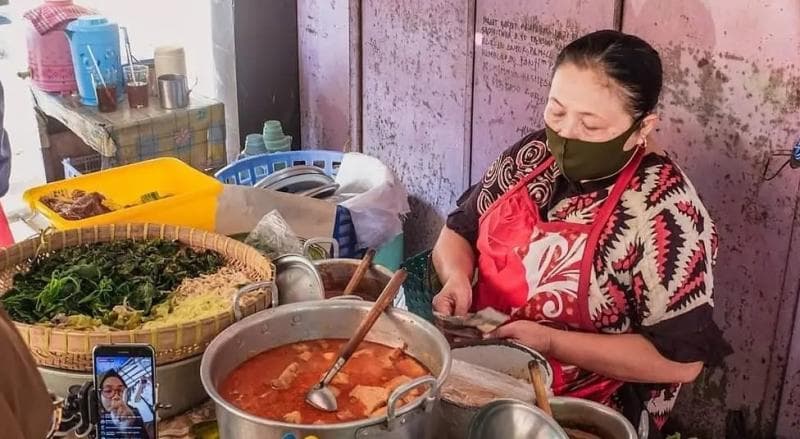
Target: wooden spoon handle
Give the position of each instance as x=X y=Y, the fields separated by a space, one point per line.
x=361 y=270
x=542 y=400
x=385 y=299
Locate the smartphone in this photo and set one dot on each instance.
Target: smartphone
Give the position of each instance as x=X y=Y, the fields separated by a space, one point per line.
x=125 y=381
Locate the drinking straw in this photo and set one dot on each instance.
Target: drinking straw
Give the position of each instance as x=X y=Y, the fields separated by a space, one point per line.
x=97 y=67
x=128 y=48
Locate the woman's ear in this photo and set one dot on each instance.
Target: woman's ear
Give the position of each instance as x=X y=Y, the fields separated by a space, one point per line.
x=648 y=125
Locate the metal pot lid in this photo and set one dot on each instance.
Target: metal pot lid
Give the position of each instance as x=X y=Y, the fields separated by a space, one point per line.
x=275 y=179
x=300 y=183
x=512 y=419
x=297 y=280
x=324 y=191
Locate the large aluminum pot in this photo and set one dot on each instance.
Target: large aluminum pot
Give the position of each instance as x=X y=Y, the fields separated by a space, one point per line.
x=328 y=319
x=593 y=417
x=336 y=273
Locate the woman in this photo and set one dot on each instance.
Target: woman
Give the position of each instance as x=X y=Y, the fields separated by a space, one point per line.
x=117 y=418
x=5 y=149
x=595 y=243
x=26 y=409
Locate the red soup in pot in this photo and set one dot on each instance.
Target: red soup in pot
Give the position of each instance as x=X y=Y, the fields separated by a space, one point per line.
x=273 y=384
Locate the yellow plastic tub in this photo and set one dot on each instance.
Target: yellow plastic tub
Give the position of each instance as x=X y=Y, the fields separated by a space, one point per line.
x=192 y=200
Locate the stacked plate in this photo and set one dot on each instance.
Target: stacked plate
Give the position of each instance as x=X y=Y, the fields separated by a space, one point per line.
x=305 y=180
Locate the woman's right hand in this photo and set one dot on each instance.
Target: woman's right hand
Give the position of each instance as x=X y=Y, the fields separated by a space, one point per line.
x=455 y=297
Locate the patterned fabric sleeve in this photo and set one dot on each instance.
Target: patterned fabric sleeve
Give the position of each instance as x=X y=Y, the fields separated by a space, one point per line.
x=503 y=173
x=672 y=276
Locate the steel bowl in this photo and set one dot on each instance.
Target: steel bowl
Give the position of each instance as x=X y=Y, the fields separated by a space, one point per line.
x=297 y=280
x=512 y=419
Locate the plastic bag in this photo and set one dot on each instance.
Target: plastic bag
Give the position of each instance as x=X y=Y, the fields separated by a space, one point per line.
x=377 y=200
x=273 y=237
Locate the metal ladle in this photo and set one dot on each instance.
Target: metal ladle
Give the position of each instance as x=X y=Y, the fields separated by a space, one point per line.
x=320 y=396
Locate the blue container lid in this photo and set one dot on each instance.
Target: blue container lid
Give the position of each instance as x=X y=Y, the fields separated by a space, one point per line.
x=90 y=23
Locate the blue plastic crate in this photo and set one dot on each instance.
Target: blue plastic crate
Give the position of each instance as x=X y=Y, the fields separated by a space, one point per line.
x=250 y=170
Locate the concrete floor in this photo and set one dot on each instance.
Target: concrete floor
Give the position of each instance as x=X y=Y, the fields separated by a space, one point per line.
x=27 y=169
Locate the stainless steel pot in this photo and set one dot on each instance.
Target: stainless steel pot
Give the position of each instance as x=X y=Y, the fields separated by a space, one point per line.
x=502 y=356
x=328 y=319
x=336 y=273
x=594 y=417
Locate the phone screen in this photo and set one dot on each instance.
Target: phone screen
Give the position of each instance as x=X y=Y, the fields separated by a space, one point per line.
x=124 y=376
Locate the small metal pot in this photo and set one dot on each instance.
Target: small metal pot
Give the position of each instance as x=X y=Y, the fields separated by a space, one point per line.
x=336 y=273
x=328 y=319
x=173 y=91
x=593 y=417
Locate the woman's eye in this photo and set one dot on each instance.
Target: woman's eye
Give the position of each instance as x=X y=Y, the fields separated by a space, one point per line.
x=557 y=114
x=590 y=128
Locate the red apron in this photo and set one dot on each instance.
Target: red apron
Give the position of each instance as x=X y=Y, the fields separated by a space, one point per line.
x=541 y=271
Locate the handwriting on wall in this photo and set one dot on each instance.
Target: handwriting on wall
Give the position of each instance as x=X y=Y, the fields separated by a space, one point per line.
x=514 y=55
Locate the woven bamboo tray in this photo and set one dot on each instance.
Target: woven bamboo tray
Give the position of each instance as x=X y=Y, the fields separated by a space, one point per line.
x=72 y=349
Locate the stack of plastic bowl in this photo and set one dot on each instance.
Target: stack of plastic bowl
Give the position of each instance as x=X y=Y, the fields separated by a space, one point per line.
x=274 y=138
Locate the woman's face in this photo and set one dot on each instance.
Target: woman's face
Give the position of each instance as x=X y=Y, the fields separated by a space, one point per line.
x=587 y=105
x=112 y=392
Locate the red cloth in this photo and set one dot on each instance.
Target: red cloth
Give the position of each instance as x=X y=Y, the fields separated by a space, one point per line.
x=6 y=238
x=47 y=16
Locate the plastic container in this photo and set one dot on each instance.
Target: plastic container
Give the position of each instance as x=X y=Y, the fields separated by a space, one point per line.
x=274 y=138
x=254 y=145
x=49 y=54
x=392 y=253
x=103 y=37
x=169 y=60
x=193 y=200
x=50 y=60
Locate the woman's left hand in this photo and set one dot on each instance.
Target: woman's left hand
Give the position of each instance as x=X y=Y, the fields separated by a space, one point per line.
x=535 y=336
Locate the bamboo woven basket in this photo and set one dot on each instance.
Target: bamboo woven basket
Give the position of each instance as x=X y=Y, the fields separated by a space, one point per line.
x=72 y=349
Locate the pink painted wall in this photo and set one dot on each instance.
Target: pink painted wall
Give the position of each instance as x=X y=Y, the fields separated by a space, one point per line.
x=732 y=98
x=516 y=42
x=323 y=32
x=416 y=99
